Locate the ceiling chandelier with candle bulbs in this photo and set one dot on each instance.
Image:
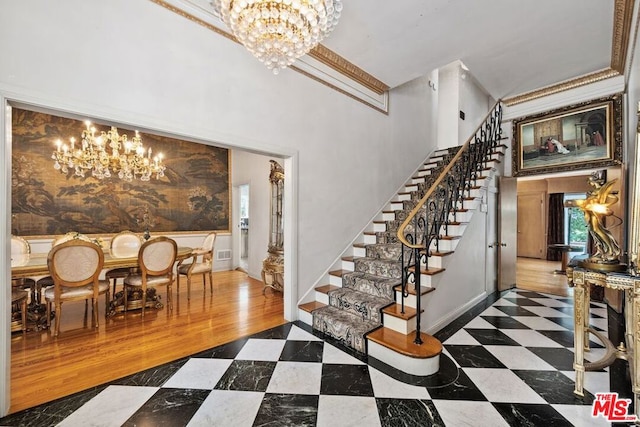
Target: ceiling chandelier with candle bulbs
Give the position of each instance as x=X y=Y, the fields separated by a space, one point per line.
x=277 y=32
x=106 y=154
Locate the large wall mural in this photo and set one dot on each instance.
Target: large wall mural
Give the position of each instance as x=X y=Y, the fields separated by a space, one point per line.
x=193 y=195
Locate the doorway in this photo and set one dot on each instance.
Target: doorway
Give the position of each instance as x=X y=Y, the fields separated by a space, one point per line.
x=243 y=220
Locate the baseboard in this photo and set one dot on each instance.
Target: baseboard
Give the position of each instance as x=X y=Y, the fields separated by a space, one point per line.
x=444 y=321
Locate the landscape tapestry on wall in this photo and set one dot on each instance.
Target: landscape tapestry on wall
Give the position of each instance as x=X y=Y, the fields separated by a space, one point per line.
x=582 y=136
x=193 y=195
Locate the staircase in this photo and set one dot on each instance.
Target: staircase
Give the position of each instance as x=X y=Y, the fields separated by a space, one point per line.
x=365 y=305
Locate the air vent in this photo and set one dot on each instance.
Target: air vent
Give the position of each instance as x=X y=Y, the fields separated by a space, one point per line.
x=223 y=254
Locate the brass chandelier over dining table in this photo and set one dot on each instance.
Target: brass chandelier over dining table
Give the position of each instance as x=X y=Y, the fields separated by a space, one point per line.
x=106 y=154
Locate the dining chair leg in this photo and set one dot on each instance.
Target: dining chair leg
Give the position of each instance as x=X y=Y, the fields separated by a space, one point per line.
x=48 y=314
x=106 y=304
x=211 y=282
x=125 y=293
x=169 y=299
x=189 y=286
x=94 y=304
x=144 y=300
x=23 y=308
x=58 y=316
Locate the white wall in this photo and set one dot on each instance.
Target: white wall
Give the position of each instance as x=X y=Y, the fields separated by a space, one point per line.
x=136 y=63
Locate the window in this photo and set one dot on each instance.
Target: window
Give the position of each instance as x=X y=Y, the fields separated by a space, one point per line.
x=575 y=225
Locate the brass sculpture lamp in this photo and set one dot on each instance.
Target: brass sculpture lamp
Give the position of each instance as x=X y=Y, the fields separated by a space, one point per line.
x=596 y=207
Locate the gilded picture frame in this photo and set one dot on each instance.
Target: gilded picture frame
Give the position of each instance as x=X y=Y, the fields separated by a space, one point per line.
x=581 y=136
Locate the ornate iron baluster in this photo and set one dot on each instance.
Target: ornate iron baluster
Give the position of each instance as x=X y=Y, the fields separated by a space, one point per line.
x=441 y=197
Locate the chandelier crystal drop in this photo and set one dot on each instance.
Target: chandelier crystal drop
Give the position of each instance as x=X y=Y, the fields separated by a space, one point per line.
x=107 y=153
x=277 y=32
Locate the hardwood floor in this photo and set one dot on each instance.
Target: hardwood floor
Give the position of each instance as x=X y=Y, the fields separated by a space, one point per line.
x=44 y=368
x=538 y=275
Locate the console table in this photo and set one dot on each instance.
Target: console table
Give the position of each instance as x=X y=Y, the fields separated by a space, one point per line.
x=581 y=279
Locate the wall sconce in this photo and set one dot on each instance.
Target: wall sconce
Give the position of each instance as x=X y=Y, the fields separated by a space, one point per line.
x=596 y=207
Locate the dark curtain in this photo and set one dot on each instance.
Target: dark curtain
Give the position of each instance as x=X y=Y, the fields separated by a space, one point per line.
x=555 y=229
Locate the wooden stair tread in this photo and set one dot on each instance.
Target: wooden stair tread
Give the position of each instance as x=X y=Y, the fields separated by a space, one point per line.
x=449 y=237
x=309 y=307
x=359 y=245
x=395 y=310
x=432 y=271
x=338 y=273
x=404 y=344
x=438 y=253
x=424 y=290
x=350 y=258
x=325 y=289
x=379 y=222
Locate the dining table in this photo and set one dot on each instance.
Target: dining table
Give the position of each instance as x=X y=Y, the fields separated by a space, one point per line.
x=35 y=265
x=30 y=265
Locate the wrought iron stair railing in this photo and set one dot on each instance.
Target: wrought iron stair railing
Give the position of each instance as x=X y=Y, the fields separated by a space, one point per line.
x=428 y=222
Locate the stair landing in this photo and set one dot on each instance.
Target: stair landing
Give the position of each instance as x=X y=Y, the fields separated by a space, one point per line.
x=415 y=359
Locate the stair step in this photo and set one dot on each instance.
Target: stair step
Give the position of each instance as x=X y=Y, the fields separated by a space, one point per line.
x=350 y=258
x=412 y=291
x=404 y=344
x=379 y=267
x=343 y=326
x=309 y=307
x=441 y=253
x=395 y=310
x=449 y=237
x=361 y=304
x=325 y=289
x=374 y=285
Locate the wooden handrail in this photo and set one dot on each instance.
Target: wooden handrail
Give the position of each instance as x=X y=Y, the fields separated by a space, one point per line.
x=437 y=182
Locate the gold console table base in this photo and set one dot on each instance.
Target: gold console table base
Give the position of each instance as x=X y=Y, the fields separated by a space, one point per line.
x=581 y=280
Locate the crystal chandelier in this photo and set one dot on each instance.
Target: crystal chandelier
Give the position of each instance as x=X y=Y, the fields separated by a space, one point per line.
x=277 y=32
x=109 y=152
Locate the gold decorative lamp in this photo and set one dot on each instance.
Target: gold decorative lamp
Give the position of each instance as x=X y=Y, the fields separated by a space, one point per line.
x=596 y=207
x=273 y=265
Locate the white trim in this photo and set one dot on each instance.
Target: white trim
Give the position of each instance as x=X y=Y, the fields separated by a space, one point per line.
x=24 y=97
x=5 y=215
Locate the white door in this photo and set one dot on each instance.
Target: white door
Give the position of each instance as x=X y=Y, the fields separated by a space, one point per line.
x=507 y=232
x=491 y=251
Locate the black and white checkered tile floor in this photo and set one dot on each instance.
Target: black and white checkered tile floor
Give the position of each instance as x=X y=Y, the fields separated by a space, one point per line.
x=506 y=362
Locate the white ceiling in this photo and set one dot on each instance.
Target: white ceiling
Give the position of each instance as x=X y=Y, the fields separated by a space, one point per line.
x=509 y=46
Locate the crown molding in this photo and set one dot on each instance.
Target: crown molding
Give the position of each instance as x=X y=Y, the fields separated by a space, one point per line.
x=320 y=64
x=561 y=87
x=622 y=19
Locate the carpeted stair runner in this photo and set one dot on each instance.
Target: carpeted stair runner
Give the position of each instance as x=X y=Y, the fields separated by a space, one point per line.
x=355 y=309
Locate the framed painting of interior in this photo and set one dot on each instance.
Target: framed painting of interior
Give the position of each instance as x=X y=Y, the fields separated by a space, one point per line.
x=192 y=196
x=582 y=136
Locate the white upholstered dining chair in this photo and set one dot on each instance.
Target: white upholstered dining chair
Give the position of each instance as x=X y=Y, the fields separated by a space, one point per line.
x=125 y=244
x=75 y=267
x=20 y=251
x=46 y=281
x=204 y=266
x=156 y=258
